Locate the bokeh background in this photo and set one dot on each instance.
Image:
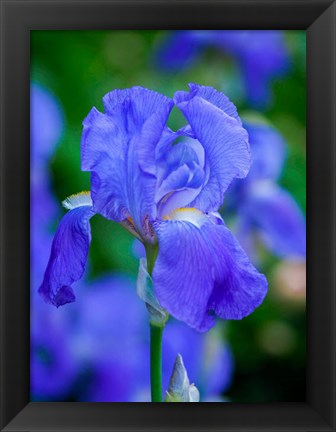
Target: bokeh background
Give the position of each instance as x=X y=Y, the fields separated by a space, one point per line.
x=97 y=348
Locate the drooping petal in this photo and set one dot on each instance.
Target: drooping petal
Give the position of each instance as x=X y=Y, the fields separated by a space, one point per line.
x=279 y=220
x=225 y=142
x=201 y=270
x=119 y=149
x=68 y=256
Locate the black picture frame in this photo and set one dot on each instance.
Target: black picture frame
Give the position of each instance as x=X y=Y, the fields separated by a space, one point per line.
x=18 y=18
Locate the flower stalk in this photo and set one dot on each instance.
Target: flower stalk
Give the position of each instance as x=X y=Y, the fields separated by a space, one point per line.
x=157 y=318
x=156 y=362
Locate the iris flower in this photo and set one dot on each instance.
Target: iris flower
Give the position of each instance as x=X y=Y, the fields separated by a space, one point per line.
x=165 y=187
x=261 y=205
x=260 y=54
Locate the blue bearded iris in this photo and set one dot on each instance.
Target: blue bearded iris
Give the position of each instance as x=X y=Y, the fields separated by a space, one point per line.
x=165 y=187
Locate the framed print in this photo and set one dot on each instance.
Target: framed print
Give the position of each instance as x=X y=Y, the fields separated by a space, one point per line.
x=177 y=138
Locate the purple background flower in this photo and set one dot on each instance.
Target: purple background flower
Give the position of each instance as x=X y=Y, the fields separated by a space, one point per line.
x=265 y=210
x=262 y=55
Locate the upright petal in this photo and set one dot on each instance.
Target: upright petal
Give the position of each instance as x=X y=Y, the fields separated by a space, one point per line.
x=119 y=149
x=201 y=270
x=180 y=173
x=219 y=99
x=68 y=256
x=225 y=142
x=278 y=218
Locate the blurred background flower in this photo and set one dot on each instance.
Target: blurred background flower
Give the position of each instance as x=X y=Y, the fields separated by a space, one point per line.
x=264 y=210
x=97 y=348
x=261 y=56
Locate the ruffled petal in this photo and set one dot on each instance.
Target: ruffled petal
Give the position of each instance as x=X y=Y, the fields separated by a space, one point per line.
x=219 y=99
x=278 y=218
x=225 y=142
x=119 y=149
x=201 y=270
x=68 y=256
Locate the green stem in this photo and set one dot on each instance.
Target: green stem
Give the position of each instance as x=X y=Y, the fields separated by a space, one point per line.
x=156 y=362
x=155 y=338
x=151 y=254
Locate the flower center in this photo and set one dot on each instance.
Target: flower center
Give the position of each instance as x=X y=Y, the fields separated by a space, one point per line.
x=187 y=214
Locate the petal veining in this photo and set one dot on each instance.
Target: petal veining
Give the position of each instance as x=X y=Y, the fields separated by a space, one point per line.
x=68 y=256
x=119 y=149
x=201 y=271
x=225 y=143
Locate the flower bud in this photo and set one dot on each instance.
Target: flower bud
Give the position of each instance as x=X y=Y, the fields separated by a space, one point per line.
x=180 y=389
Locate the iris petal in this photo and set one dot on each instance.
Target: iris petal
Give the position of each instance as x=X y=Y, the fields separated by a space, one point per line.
x=178 y=179
x=173 y=157
x=211 y=95
x=201 y=270
x=225 y=142
x=68 y=256
x=119 y=149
